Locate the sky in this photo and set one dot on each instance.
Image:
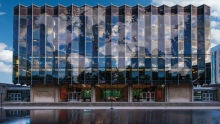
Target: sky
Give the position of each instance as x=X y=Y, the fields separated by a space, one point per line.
x=6 y=22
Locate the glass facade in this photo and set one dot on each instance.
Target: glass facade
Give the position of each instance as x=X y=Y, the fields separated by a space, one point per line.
x=111 y=45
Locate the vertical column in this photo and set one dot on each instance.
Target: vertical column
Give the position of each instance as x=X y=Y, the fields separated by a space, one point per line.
x=31 y=93
x=93 y=93
x=130 y=90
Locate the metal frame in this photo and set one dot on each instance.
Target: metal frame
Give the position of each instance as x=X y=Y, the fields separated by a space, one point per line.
x=151 y=99
x=74 y=97
x=14 y=96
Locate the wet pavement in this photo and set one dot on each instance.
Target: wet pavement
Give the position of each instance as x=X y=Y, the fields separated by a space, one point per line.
x=91 y=116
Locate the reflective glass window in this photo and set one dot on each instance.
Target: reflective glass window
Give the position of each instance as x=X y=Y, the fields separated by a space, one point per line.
x=128 y=61
x=101 y=61
x=141 y=22
x=187 y=21
x=88 y=34
x=108 y=61
x=168 y=61
x=154 y=34
x=49 y=34
x=200 y=21
x=22 y=47
x=167 y=47
x=174 y=22
x=114 y=21
x=174 y=61
x=23 y=21
x=36 y=21
x=161 y=47
x=187 y=61
x=181 y=22
x=128 y=21
x=167 y=34
x=154 y=48
x=22 y=61
x=148 y=75
x=187 y=34
x=62 y=34
x=95 y=48
x=128 y=34
x=42 y=62
x=36 y=61
x=36 y=35
x=167 y=21
x=194 y=34
x=55 y=35
x=81 y=47
x=201 y=60
x=181 y=61
x=114 y=47
x=194 y=60
x=174 y=47
x=155 y=73
x=23 y=35
x=101 y=34
x=134 y=62
x=89 y=21
x=194 y=21
x=55 y=61
x=29 y=47
x=147 y=21
x=76 y=21
x=148 y=61
x=88 y=47
x=62 y=49
x=201 y=74
x=102 y=48
x=180 y=35
x=42 y=47
x=114 y=34
x=114 y=61
x=147 y=47
x=200 y=48
x=161 y=35
x=82 y=61
x=75 y=47
x=42 y=34
x=174 y=34
x=121 y=74
x=15 y=34
x=160 y=21
x=154 y=61
x=207 y=34
x=75 y=34
x=62 y=61
x=15 y=22
x=75 y=60
x=36 y=47
x=82 y=35
x=207 y=21
x=154 y=22
x=134 y=75
x=49 y=61
x=187 y=47
x=161 y=61
x=101 y=21
x=29 y=21
x=141 y=34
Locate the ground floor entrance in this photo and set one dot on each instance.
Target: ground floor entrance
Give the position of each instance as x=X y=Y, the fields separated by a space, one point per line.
x=95 y=92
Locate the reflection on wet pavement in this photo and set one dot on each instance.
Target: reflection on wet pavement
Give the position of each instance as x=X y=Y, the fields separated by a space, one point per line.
x=110 y=117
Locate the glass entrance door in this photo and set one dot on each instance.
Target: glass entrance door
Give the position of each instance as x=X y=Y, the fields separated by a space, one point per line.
x=74 y=97
x=207 y=96
x=14 y=96
x=148 y=97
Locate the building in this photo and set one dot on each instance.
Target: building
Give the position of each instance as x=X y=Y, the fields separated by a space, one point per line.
x=13 y=92
x=98 y=54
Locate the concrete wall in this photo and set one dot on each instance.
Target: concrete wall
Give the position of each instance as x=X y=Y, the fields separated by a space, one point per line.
x=179 y=93
x=4 y=90
x=44 y=93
